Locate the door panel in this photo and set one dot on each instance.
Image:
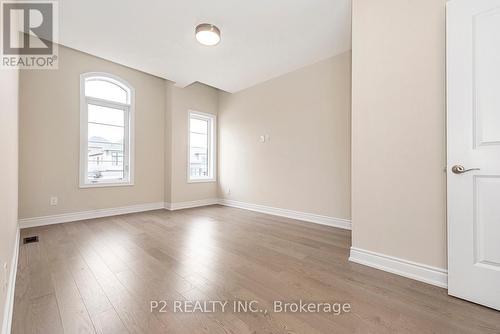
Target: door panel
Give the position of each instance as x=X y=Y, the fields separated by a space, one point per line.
x=473 y=133
x=486 y=64
x=486 y=222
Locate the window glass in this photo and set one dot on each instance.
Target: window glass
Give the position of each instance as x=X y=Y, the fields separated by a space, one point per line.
x=105 y=115
x=201 y=147
x=105 y=90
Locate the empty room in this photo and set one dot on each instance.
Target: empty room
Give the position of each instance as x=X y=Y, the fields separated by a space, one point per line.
x=250 y=167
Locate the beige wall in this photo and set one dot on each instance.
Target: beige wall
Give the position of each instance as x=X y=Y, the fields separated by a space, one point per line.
x=49 y=138
x=306 y=164
x=398 y=138
x=197 y=97
x=313 y=140
x=9 y=83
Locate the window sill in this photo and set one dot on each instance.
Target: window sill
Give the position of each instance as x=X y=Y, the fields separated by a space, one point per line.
x=105 y=185
x=201 y=180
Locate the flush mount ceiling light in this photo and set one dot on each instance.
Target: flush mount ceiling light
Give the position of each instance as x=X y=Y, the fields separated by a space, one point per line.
x=207 y=34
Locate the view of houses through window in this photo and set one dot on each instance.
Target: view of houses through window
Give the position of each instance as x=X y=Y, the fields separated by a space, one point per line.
x=106 y=135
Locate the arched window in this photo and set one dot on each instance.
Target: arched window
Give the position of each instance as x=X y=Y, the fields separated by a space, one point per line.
x=106 y=130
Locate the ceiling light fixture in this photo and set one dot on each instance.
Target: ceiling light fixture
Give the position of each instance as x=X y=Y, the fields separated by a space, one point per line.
x=207 y=34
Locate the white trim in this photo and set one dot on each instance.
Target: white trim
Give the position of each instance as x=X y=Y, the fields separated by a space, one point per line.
x=128 y=148
x=201 y=180
x=304 y=216
x=9 y=300
x=212 y=142
x=402 y=267
x=91 y=214
x=108 y=184
x=191 y=204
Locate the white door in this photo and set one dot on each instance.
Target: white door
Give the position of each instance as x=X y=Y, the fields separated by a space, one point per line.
x=473 y=93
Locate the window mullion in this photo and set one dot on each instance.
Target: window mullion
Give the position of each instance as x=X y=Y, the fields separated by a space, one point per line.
x=106 y=103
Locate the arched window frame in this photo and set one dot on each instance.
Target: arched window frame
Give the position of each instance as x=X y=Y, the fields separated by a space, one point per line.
x=129 y=120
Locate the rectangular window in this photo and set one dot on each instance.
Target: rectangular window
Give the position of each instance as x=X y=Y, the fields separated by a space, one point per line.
x=201 y=160
x=106 y=122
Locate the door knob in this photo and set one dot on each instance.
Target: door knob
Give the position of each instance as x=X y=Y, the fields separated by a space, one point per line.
x=459 y=169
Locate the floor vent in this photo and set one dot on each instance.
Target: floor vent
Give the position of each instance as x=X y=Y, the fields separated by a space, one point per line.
x=29 y=240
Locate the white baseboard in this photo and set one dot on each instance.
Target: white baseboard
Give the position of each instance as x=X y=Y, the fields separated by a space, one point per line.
x=191 y=204
x=91 y=214
x=308 y=217
x=9 y=300
x=100 y=213
x=409 y=269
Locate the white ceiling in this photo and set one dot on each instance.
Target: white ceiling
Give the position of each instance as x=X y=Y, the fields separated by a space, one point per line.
x=261 y=39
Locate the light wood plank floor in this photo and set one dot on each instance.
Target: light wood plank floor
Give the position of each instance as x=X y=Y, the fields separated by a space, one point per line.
x=99 y=276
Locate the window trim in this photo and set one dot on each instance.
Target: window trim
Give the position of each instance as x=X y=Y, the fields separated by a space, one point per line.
x=212 y=162
x=129 y=129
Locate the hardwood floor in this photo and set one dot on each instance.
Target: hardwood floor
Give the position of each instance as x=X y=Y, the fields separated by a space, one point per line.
x=100 y=276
